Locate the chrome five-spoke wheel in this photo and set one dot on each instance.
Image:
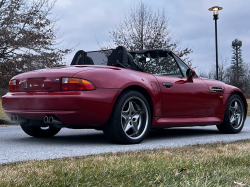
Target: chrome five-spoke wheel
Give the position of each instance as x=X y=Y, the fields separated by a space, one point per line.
x=234 y=116
x=130 y=119
x=236 y=113
x=134 y=117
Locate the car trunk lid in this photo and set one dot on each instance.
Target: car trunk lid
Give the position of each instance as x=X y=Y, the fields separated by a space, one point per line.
x=44 y=80
x=49 y=80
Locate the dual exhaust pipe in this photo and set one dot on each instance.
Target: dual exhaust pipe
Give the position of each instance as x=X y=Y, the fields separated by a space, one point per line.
x=17 y=118
x=14 y=118
x=51 y=120
x=47 y=119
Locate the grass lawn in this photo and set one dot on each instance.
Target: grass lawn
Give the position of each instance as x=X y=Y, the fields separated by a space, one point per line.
x=220 y=164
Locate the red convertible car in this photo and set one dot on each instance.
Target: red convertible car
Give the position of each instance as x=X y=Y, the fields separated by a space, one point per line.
x=124 y=94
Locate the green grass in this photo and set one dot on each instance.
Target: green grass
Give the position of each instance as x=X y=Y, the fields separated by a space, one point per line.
x=217 y=164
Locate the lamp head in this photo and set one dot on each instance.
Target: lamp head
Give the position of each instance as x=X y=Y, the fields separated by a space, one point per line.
x=215 y=9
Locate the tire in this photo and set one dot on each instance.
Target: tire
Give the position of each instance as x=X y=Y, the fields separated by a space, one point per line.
x=234 y=116
x=41 y=132
x=130 y=120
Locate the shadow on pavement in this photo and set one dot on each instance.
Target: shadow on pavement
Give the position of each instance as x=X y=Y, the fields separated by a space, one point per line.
x=93 y=137
x=180 y=133
x=66 y=139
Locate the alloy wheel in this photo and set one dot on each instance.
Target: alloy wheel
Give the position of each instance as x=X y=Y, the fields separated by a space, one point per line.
x=134 y=117
x=236 y=114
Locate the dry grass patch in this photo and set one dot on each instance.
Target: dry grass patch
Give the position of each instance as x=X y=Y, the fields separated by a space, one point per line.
x=6 y=125
x=220 y=164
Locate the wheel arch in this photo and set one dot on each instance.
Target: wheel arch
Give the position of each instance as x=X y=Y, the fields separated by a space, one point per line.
x=144 y=92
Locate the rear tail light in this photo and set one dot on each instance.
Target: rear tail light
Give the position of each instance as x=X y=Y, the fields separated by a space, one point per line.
x=13 y=86
x=75 y=84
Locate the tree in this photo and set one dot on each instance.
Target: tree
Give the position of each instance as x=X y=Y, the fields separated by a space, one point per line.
x=222 y=70
x=237 y=74
x=237 y=70
x=237 y=65
x=143 y=28
x=28 y=37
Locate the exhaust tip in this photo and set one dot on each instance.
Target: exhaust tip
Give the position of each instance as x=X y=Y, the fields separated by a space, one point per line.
x=50 y=119
x=14 y=117
x=46 y=119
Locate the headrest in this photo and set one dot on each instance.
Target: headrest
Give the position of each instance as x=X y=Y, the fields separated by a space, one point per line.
x=79 y=58
x=119 y=56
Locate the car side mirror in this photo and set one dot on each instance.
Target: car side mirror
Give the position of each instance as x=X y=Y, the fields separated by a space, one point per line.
x=190 y=73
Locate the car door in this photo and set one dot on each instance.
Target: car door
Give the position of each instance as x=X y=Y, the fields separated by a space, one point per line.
x=180 y=97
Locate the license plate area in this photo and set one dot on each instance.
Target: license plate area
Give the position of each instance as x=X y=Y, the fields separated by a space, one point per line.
x=36 y=84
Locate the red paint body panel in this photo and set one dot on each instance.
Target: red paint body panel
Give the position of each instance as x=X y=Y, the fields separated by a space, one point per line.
x=184 y=104
x=217 y=105
x=121 y=78
x=184 y=98
x=46 y=77
x=78 y=108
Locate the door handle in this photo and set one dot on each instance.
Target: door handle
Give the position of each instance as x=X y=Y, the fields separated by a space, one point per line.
x=167 y=84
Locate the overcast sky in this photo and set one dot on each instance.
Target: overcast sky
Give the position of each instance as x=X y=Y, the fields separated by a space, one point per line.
x=86 y=22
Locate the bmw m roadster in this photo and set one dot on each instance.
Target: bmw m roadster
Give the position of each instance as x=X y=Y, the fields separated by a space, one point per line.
x=124 y=93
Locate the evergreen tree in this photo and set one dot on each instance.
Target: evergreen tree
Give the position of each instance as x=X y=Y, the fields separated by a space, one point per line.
x=237 y=65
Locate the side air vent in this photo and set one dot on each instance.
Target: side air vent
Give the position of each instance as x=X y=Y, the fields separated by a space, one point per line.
x=216 y=89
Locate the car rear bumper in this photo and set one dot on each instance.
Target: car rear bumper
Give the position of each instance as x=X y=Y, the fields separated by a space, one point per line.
x=72 y=107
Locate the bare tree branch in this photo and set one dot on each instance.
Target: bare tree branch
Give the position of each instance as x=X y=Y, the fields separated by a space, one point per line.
x=143 y=28
x=28 y=37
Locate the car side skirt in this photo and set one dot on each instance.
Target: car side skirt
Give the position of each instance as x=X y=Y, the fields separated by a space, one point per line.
x=182 y=121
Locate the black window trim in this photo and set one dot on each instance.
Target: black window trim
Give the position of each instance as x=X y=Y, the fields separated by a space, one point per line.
x=175 y=57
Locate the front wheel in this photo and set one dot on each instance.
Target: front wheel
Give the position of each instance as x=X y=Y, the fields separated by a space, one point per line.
x=234 y=116
x=41 y=132
x=130 y=120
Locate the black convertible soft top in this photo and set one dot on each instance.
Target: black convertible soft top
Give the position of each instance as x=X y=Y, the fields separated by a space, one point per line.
x=114 y=57
x=149 y=50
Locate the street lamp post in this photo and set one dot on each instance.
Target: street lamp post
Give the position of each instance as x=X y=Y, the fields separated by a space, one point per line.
x=215 y=10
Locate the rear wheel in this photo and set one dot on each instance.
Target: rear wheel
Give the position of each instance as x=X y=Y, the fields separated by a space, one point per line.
x=130 y=120
x=234 y=116
x=42 y=132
